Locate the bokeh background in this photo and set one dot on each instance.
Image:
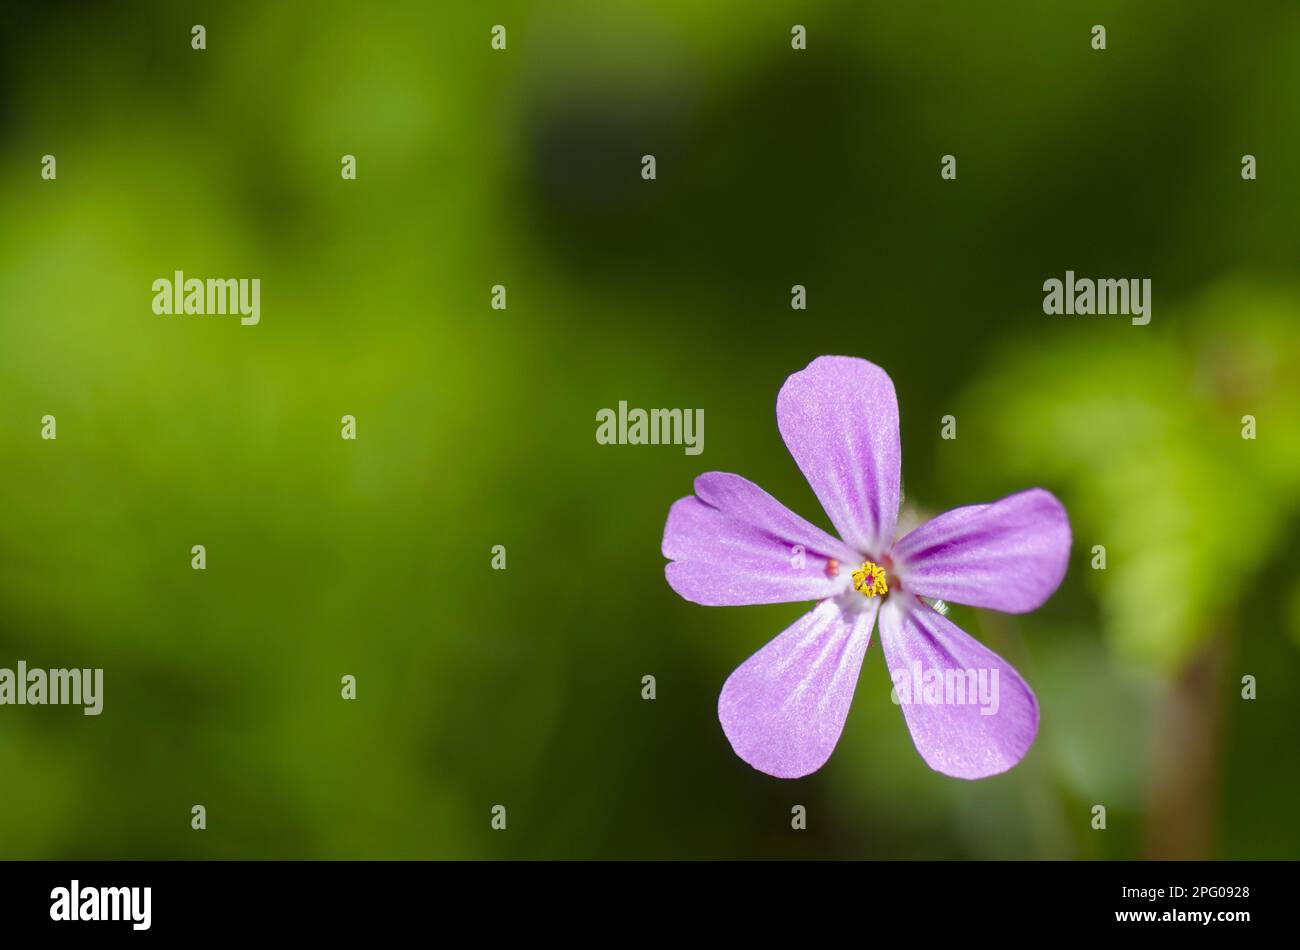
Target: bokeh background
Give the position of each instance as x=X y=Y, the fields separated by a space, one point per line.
x=476 y=427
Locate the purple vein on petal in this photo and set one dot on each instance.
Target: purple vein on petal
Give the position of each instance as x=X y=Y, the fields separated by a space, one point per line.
x=1009 y=555
x=783 y=709
x=733 y=543
x=839 y=419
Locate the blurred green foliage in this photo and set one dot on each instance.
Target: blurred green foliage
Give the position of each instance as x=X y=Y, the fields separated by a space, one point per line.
x=476 y=427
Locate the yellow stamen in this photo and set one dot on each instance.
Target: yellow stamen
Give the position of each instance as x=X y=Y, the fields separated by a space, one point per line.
x=869 y=580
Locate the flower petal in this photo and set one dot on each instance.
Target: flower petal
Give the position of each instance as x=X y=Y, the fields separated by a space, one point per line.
x=783 y=709
x=981 y=718
x=839 y=419
x=1009 y=555
x=735 y=544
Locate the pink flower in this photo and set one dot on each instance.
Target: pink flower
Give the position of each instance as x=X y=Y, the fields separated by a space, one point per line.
x=969 y=712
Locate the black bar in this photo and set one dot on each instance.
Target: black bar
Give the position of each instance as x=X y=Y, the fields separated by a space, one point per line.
x=811 y=900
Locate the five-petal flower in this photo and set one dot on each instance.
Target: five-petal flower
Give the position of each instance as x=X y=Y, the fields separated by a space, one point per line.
x=732 y=543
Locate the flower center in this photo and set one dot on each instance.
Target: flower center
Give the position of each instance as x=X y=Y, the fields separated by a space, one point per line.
x=869 y=580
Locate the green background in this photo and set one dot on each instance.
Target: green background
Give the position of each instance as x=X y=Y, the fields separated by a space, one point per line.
x=476 y=427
